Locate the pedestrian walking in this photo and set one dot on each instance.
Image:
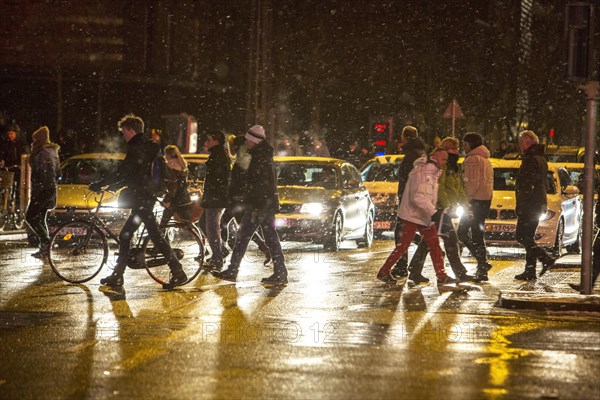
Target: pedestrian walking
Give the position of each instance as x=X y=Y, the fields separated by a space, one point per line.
x=214 y=197
x=45 y=170
x=531 y=190
x=478 y=177
x=451 y=194
x=262 y=202
x=177 y=199
x=135 y=173
x=413 y=148
x=416 y=210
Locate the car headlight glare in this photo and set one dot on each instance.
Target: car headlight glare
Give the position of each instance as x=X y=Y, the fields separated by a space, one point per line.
x=460 y=211
x=312 y=208
x=549 y=215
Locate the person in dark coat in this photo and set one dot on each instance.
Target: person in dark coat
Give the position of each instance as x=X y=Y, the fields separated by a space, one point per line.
x=238 y=185
x=531 y=190
x=11 y=150
x=262 y=202
x=135 y=173
x=177 y=199
x=413 y=148
x=45 y=170
x=214 y=198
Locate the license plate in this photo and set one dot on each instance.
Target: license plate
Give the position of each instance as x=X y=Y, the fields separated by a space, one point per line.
x=70 y=232
x=500 y=228
x=386 y=225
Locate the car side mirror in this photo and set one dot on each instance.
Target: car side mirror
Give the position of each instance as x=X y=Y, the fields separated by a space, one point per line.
x=571 y=190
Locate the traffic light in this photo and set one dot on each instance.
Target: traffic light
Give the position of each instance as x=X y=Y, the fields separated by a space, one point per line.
x=381 y=134
x=578 y=38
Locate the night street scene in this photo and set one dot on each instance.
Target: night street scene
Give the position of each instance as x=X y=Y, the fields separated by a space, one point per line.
x=283 y=199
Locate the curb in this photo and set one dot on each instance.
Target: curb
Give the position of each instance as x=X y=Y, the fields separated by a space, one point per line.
x=549 y=301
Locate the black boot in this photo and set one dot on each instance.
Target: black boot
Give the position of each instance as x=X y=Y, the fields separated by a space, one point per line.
x=547 y=264
x=115 y=279
x=178 y=278
x=278 y=278
x=481 y=275
x=528 y=274
x=228 y=274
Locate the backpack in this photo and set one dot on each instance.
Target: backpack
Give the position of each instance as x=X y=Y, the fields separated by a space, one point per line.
x=158 y=176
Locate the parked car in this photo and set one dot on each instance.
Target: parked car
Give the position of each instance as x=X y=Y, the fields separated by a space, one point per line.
x=74 y=199
x=559 y=228
x=323 y=200
x=380 y=175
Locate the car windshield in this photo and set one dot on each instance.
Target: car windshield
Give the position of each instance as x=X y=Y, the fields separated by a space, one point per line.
x=506 y=179
x=86 y=171
x=382 y=173
x=307 y=175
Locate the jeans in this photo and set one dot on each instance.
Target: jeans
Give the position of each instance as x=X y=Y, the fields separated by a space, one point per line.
x=525 y=232
x=210 y=224
x=472 y=227
x=36 y=218
x=450 y=238
x=429 y=236
x=250 y=221
x=143 y=213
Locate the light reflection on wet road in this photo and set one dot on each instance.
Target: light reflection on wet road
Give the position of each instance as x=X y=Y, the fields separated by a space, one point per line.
x=332 y=332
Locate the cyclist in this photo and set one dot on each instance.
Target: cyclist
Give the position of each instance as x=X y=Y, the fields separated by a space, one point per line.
x=177 y=199
x=134 y=172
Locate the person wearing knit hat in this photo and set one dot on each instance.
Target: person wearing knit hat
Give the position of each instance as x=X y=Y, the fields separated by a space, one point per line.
x=262 y=202
x=256 y=134
x=478 y=178
x=45 y=170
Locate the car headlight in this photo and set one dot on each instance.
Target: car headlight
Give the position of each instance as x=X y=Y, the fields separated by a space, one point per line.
x=110 y=206
x=312 y=208
x=549 y=215
x=194 y=197
x=460 y=211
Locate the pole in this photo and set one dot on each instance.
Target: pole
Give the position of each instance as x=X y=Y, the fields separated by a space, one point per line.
x=591 y=90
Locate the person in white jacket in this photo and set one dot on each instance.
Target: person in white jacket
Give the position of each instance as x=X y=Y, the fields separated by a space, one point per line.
x=418 y=205
x=478 y=177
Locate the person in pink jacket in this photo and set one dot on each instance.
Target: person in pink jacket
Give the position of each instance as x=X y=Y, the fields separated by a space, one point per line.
x=478 y=176
x=419 y=203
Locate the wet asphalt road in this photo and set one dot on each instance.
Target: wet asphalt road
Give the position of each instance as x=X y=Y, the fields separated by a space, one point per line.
x=333 y=332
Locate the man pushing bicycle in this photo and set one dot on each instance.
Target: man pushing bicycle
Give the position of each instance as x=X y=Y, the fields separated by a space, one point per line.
x=135 y=173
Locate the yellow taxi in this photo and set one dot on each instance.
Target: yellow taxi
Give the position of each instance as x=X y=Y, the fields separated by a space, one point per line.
x=559 y=228
x=322 y=200
x=380 y=175
x=73 y=195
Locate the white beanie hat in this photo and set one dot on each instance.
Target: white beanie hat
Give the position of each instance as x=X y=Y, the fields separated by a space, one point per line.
x=256 y=134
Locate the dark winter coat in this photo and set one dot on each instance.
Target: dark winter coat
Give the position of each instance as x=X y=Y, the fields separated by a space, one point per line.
x=135 y=171
x=177 y=189
x=532 y=183
x=45 y=170
x=262 y=179
x=11 y=152
x=412 y=149
x=217 y=178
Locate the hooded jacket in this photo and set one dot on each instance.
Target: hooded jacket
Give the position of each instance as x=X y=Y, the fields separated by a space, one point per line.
x=412 y=149
x=421 y=192
x=532 y=183
x=478 y=174
x=45 y=170
x=217 y=178
x=262 y=182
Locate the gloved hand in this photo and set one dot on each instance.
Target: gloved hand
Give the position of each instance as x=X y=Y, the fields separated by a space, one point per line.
x=95 y=186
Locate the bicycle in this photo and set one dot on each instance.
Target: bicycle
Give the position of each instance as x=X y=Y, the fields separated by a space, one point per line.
x=10 y=217
x=79 y=249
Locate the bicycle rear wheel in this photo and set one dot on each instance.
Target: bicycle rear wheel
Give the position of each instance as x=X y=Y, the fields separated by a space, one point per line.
x=78 y=251
x=187 y=246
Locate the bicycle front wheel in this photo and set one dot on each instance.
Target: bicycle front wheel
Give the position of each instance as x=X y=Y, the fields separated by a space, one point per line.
x=187 y=246
x=78 y=251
